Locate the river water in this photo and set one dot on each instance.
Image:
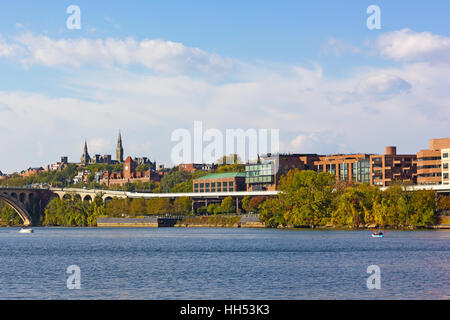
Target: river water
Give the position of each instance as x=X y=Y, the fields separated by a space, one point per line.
x=210 y=263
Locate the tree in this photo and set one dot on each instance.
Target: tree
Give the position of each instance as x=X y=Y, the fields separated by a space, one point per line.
x=271 y=212
x=307 y=197
x=182 y=206
x=227 y=205
x=138 y=207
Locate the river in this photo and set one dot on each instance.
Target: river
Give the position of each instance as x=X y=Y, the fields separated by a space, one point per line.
x=213 y=263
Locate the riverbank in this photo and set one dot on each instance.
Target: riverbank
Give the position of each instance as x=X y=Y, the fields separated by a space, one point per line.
x=243 y=221
x=183 y=222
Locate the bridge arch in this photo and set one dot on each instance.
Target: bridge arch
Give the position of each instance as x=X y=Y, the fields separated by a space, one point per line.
x=18 y=207
x=87 y=198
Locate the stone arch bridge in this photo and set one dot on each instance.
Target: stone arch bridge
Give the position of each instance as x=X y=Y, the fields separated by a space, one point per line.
x=29 y=203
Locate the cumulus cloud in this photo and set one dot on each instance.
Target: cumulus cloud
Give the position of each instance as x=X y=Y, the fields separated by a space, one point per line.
x=158 y=55
x=407 y=45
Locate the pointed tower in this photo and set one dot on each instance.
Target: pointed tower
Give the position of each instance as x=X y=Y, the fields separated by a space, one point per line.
x=85 y=158
x=119 y=149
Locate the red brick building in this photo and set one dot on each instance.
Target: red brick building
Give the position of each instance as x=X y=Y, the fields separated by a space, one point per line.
x=192 y=167
x=429 y=169
x=130 y=175
x=380 y=170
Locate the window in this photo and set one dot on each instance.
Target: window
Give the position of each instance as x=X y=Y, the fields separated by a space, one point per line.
x=445 y=165
x=445 y=176
x=196 y=187
x=445 y=155
x=230 y=186
x=213 y=187
x=343 y=171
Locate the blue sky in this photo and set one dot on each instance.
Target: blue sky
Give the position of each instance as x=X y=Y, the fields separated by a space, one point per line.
x=312 y=69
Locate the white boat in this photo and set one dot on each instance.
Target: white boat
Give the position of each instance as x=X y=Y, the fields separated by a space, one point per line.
x=378 y=234
x=25 y=230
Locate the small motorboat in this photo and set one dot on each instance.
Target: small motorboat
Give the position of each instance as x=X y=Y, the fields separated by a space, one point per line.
x=377 y=234
x=26 y=230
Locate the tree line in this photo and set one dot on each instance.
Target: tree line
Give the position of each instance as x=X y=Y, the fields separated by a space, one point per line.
x=313 y=199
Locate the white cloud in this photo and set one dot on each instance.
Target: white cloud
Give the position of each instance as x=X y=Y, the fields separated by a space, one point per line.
x=407 y=45
x=157 y=55
x=8 y=50
x=338 y=47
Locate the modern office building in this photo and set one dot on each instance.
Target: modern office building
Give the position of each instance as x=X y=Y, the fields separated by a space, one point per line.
x=429 y=170
x=346 y=167
x=220 y=182
x=266 y=172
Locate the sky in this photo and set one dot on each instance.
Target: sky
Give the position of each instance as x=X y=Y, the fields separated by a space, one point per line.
x=312 y=69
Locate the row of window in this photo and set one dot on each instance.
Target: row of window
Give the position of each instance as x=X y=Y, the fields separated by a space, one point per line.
x=430 y=166
x=428 y=158
x=428 y=175
x=214 y=187
x=260 y=179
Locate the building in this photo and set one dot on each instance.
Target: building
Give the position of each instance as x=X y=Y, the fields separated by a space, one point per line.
x=31 y=172
x=267 y=171
x=82 y=176
x=392 y=167
x=445 y=163
x=101 y=159
x=129 y=175
x=374 y=169
x=429 y=170
x=220 y=182
x=192 y=167
x=59 y=165
x=346 y=167
x=145 y=160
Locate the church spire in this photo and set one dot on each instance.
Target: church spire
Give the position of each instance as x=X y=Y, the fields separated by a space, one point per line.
x=119 y=149
x=85 y=158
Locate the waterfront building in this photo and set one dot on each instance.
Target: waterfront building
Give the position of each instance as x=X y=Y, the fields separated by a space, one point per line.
x=220 y=182
x=429 y=169
x=374 y=169
x=267 y=171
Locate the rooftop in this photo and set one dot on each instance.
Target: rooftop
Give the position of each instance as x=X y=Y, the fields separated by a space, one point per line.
x=222 y=175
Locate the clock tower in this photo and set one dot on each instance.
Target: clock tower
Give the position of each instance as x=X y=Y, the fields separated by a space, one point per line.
x=129 y=168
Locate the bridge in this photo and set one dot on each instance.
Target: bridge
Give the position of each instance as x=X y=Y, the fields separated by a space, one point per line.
x=29 y=203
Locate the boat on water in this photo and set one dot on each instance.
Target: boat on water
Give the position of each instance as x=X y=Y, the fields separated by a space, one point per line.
x=377 y=234
x=26 y=230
